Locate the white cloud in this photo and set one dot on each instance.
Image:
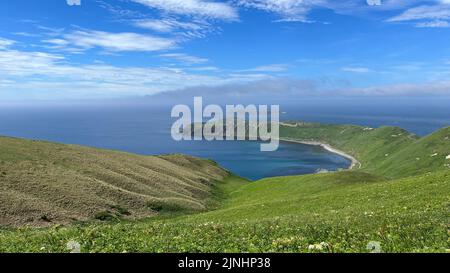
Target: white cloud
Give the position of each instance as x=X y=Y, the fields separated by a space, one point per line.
x=268 y=68
x=287 y=10
x=73 y=2
x=46 y=75
x=184 y=58
x=433 y=24
x=156 y=25
x=373 y=2
x=193 y=29
x=423 y=12
x=168 y=25
x=15 y=63
x=290 y=10
x=200 y=8
x=354 y=69
x=434 y=15
x=205 y=68
x=299 y=10
x=260 y=90
x=26 y=34
x=57 y=42
x=4 y=43
x=288 y=89
x=37 y=70
x=243 y=77
x=430 y=88
x=127 y=41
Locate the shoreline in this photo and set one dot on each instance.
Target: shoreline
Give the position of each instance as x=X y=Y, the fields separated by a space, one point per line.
x=355 y=162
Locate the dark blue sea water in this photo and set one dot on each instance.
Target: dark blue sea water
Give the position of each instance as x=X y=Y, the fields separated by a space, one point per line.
x=145 y=129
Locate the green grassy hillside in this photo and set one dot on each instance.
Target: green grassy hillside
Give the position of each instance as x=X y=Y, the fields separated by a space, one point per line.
x=424 y=155
x=389 y=151
x=399 y=199
x=45 y=183
x=337 y=212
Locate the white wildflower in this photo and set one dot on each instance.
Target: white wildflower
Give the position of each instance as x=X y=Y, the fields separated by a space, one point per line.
x=324 y=245
x=73 y=247
x=374 y=247
x=318 y=247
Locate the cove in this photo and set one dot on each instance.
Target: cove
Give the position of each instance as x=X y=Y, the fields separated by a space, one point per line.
x=146 y=131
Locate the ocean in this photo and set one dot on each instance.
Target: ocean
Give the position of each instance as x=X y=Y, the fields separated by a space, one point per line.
x=145 y=129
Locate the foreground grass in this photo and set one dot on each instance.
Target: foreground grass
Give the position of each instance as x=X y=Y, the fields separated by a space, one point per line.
x=343 y=211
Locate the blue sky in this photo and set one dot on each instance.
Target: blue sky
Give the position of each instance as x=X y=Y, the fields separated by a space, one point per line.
x=89 y=49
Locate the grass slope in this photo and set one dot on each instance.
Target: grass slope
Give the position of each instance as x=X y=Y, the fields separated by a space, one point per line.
x=389 y=151
x=399 y=198
x=344 y=211
x=45 y=183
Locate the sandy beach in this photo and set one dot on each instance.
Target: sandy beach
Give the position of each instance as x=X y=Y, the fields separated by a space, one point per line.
x=355 y=162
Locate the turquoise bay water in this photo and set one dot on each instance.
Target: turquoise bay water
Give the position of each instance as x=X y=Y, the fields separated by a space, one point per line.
x=146 y=131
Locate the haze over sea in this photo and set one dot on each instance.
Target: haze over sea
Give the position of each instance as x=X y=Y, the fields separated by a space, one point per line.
x=145 y=129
